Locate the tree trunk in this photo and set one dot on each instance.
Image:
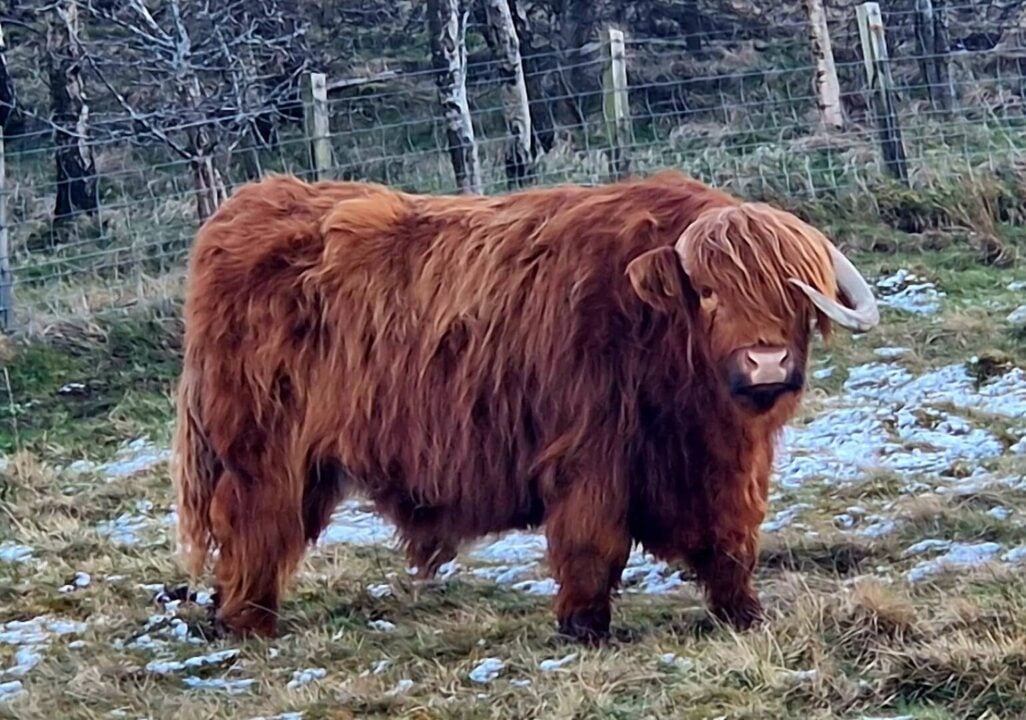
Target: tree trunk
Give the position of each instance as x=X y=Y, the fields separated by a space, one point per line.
x=210 y=190
x=502 y=36
x=691 y=22
x=76 y=169
x=7 y=97
x=447 y=24
x=534 y=69
x=933 y=46
x=576 y=22
x=828 y=90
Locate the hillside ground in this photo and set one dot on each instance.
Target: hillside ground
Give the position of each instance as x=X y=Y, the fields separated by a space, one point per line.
x=893 y=564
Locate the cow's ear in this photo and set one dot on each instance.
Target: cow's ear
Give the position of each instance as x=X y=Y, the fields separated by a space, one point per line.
x=658 y=278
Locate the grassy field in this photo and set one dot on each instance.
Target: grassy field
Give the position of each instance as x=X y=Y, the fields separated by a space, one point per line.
x=893 y=568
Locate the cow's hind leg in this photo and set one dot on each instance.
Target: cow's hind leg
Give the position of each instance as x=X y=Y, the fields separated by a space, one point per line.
x=258 y=528
x=326 y=486
x=725 y=567
x=588 y=549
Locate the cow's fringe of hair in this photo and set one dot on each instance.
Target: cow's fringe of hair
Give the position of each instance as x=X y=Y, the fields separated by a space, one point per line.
x=762 y=247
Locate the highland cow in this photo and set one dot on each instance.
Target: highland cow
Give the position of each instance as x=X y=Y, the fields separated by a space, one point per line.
x=611 y=363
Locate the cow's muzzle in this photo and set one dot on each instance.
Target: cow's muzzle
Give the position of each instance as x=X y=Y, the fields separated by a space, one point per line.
x=759 y=375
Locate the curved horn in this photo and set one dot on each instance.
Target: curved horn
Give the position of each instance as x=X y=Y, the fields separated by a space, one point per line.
x=864 y=314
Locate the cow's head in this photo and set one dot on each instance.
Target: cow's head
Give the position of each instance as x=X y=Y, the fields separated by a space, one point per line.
x=754 y=279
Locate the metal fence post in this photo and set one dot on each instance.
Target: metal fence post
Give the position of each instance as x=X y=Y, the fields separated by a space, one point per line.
x=315 y=122
x=615 y=104
x=878 y=74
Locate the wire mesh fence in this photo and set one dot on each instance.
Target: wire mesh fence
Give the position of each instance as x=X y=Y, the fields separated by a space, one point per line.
x=741 y=113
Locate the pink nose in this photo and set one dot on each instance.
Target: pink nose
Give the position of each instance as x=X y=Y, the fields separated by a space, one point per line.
x=766 y=366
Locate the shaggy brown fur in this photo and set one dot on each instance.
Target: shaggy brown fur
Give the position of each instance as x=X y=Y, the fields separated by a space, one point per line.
x=479 y=364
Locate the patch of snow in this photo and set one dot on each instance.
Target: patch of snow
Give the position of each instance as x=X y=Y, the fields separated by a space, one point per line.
x=1016 y=285
x=382 y=625
x=1015 y=556
x=352 y=526
x=487 y=670
x=785 y=517
x=552 y=665
x=520 y=682
x=513 y=548
x=125 y=529
x=380 y=590
x=136 y=457
x=823 y=373
x=11 y=552
x=674 y=660
x=909 y=293
x=232 y=687
x=958 y=556
x=1000 y=513
x=548 y=586
x=1017 y=316
x=379 y=667
x=305 y=677
x=845 y=521
x=282 y=716
x=401 y=687
x=165 y=667
x=26 y=658
x=887 y=418
x=800 y=676
x=892 y=353
x=650 y=578
x=79 y=581
x=925 y=546
x=38 y=630
x=9 y=690
x=503 y=574
x=878 y=527
x=80 y=467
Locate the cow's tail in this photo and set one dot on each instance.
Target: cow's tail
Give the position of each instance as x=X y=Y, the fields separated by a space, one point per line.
x=196 y=470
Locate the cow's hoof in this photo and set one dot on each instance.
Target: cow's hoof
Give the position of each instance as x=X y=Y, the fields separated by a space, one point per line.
x=743 y=615
x=589 y=626
x=251 y=623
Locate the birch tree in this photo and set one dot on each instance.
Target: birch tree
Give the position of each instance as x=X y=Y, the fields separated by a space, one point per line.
x=828 y=89
x=502 y=37
x=447 y=25
x=224 y=67
x=7 y=97
x=75 y=165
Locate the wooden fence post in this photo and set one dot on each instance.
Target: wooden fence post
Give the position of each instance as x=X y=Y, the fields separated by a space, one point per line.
x=934 y=58
x=6 y=277
x=615 y=104
x=880 y=83
x=315 y=122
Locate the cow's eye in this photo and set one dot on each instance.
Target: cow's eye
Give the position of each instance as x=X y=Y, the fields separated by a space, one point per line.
x=706 y=293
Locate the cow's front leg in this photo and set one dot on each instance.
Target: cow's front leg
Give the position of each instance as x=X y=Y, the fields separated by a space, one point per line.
x=588 y=549
x=725 y=567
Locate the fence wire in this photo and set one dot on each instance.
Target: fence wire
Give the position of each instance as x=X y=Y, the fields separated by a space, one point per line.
x=739 y=112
